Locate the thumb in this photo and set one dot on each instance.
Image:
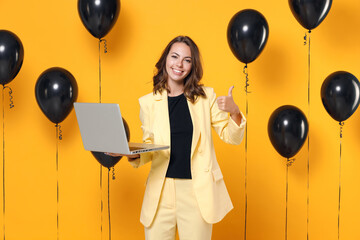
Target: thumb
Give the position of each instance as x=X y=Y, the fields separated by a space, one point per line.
x=230 y=91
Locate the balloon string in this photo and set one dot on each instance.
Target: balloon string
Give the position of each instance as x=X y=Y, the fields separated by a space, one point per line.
x=3 y=116
x=341 y=126
x=11 y=97
x=246 y=147
x=105 y=51
x=308 y=142
x=99 y=73
x=289 y=162
x=113 y=173
x=57 y=182
x=245 y=71
x=287 y=196
x=109 y=204
x=308 y=190
x=309 y=69
x=102 y=204
x=60 y=132
x=105 y=44
x=306 y=38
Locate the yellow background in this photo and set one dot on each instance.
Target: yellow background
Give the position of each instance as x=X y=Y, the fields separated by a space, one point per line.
x=53 y=35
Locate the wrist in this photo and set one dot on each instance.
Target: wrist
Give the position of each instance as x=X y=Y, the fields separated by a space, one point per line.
x=235 y=112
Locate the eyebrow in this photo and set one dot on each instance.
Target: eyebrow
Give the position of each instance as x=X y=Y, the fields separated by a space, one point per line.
x=179 y=55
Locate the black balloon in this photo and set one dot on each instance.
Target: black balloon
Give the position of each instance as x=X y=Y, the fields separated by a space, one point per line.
x=11 y=56
x=56 y=90
x=340 y=95
x=109 y=161
x=310 y=13
x=247 y=35
x=98 y=16
x=287 y=129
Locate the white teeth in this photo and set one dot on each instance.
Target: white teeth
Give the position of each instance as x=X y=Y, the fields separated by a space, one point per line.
x=177 y=71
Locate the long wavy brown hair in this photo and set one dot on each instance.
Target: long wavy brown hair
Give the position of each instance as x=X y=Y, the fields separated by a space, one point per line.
x=192 y=87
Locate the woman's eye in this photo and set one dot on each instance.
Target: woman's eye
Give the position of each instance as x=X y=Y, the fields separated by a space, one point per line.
x=188 y=60
x=173 y=56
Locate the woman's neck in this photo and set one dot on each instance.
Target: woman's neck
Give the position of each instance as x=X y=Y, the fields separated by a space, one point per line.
x=175 y=89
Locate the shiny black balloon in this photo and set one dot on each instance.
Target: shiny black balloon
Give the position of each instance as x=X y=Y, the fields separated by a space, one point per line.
x=287 y=130
x=340 y=95
x=98 y=16
x=11 y=56
x=109 y=161
x=247 y=35
x=310 y=13
x=56 y=90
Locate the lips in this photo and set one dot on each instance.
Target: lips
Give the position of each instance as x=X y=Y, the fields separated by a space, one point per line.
x=177 y=72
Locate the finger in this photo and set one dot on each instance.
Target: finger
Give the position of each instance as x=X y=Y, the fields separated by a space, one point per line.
x=219 y=103
x=112 y=154
x=230 y=91
x=220 y=100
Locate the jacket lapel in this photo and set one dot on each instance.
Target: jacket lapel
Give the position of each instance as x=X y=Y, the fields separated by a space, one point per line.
x=196 y=120
x=162 y=116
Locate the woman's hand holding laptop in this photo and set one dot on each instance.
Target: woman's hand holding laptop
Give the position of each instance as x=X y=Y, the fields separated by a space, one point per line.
x=131 y=157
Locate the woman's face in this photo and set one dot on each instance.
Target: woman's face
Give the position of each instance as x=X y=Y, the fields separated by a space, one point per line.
x=178 y=62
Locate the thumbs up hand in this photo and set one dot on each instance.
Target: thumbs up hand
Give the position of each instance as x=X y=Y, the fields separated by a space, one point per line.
x=227 y=104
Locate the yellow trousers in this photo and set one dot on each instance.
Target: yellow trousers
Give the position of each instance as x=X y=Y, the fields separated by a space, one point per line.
x=178 y=209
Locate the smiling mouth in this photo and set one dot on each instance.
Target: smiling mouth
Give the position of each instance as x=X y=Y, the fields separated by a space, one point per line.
x=177 y=71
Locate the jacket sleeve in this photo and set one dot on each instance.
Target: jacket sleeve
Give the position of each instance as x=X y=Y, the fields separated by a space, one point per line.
x=148 y=136
x=223 y=124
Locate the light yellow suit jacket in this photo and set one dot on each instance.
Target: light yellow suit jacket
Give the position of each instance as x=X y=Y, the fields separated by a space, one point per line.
x=209 y=187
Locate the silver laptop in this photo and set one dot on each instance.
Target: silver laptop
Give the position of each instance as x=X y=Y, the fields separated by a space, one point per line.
x=102 y=130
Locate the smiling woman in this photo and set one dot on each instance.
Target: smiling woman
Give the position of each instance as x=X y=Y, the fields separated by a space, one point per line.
x=182 y=191
x=53 y=34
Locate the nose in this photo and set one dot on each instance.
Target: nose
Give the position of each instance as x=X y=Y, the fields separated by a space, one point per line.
x=179 y=63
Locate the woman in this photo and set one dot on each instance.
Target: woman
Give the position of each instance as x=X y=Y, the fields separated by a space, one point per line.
x=185 y=189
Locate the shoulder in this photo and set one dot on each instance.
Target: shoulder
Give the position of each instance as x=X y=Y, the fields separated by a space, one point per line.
x=146 y=97
x=146 y=100
x=209 y=92
x=209 y=96
x=150 y=98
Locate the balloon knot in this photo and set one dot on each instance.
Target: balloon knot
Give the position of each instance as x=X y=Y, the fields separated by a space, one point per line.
x=105 y=44
x=10 y=96
x=290 y=161
x=113 y=173
x=60 y=133
x=341 y=127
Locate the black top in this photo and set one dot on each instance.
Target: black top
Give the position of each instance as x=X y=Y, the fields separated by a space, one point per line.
x=181 y=129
